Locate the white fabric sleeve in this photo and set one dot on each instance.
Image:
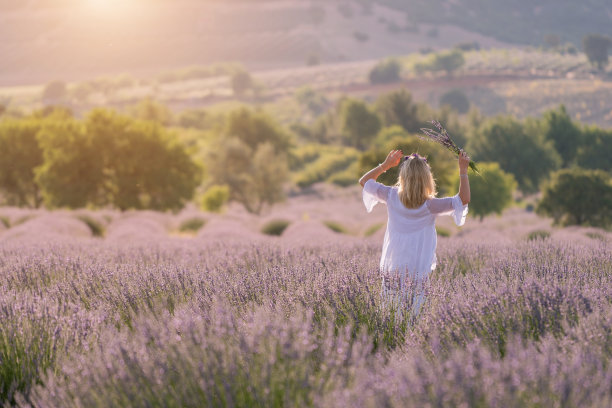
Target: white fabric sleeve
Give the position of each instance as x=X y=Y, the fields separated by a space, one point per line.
x=374 y=193
x=449 y=206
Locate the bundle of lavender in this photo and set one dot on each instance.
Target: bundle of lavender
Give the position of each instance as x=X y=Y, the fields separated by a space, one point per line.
x=442 y=137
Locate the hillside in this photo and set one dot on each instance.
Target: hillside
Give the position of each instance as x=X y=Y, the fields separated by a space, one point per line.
x=518 y=21
x=76 y=39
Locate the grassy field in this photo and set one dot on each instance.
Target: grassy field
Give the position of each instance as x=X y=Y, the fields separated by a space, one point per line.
x=198 y=309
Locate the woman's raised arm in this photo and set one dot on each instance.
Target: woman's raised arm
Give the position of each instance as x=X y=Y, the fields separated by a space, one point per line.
x=392 y=160
x=464 y=181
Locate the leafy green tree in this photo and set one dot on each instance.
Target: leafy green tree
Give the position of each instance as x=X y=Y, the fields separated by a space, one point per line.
x=559 y=127
x=398 y=108
x=442 y=162
x=150 y=110
x=72 y=172
x=254 y=128
x=457 y=100
x=491 y=191
x=578 y=196
x=144 y=165
x=596 y=149
x=386 y=71
x=449 y=61
x=596 y=47
x=215 y=198
x=254 y=174
x=241 y=82
x=504 y=140
x=54 y=92
x=20 y=155
x=111 y=159
x=360 y=123
x=312 y=100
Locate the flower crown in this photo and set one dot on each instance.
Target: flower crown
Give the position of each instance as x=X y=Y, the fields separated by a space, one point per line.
x=414 y=156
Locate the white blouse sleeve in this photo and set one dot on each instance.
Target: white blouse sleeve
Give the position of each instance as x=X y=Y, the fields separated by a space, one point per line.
x=449 y=206
x=374 y=193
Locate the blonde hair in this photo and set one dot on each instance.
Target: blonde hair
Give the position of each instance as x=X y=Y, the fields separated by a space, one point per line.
x=415 y=182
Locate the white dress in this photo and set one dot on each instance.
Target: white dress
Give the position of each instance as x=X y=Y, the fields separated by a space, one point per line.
x=409 y=247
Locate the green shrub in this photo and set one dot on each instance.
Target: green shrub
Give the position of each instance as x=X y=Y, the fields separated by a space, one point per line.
x=192 y=224
x=275 y=227
x=538 y=235
x=386 y=71
x=443 y=232
x=373 y=229
x=596 y=235
x=97 y=229
x=23 y=219
x=336 y=227
x=215 y=198
x=5 y=221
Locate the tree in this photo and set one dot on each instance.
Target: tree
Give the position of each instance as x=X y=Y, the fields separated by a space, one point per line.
x=360 y=124
x=578 y=196
x=20 y=155
x=559 y=128
x=491 y=191
x=72 y=173
x=254 y=174
x=596 y=149
x=442 y=162
x=54 y=92
x=448 y=61
x=387 y=71
x=398 y=108
x=111 y=159
x=241 y=82
x=144 y=166
x=456 y=99
x=150 y=110
x=254 y=128
x=504 y=140
x=596 y=47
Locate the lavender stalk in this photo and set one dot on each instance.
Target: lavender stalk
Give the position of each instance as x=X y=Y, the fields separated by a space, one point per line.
x=442 y=137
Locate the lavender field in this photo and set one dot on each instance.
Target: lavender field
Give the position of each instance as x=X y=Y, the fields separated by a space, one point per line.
x=519 y=314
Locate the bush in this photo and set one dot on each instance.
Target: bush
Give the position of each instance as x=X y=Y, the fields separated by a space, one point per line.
x=336 y=227
x=193 y=224
x=96 y=228
x=532 y=157
x=215 y=198
x=538 y=235
x=578 y=197
x=457 y=100
x=275 y=227
x=443 y=232
x=360 y=123
x=386 y=71
x=5 y=221
x=20 y=154
x=241 y=82
x=373 y=229
x=54 y=92
x=491 y=191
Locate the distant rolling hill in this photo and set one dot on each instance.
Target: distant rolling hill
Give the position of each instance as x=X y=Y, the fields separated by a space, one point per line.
x=43 y=40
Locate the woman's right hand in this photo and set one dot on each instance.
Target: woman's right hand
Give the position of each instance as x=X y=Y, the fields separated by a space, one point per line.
x=393 y=159
x=464 y=162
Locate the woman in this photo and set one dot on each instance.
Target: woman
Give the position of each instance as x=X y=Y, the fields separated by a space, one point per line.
x=409 y=247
